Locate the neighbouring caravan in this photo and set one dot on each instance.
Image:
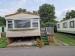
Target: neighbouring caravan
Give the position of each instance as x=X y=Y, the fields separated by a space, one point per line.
x=67 y=26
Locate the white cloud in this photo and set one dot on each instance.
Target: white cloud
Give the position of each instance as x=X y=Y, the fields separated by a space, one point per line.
x=57 y=14
x=4 y=12
x=20 y=3
x=40 y=1
x=70 y=8
x=61 y=13
x=17 y=4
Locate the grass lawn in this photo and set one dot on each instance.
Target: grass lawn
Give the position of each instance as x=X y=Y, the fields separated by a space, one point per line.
x=3 y=42
x=66 y=38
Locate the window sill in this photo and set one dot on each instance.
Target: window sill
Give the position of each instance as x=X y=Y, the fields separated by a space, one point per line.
x=17 y=29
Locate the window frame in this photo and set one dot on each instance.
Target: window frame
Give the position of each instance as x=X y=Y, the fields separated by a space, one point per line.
x=70 y=24
x=58 y=25
x=35 y=21
x=65 y=25
x=31 y=24
x=22 y=27
x=10 y=24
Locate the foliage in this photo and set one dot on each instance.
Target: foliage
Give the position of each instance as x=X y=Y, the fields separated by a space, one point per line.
x=69 y=15
x=21 y=10
x=3 y=42
x=2 y=21
x=35 y=12
x=47 y=13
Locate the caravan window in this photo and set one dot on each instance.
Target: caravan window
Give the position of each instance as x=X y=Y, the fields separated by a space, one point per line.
x=35 y=23
x=10 y=24
x=58 y=26
x=65 y=25
x=71 y=24
x=22 y=23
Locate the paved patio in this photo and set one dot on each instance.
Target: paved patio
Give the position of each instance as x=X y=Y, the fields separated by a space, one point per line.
x=45 y=51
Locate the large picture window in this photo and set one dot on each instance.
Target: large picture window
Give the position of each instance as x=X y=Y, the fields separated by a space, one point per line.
x=71 y=24
x=22 y=23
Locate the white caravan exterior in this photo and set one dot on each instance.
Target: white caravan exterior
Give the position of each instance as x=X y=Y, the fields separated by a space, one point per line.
x=22 y=25
x=67 y=26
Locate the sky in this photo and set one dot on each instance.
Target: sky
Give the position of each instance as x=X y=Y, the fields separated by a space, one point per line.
x=61 y=6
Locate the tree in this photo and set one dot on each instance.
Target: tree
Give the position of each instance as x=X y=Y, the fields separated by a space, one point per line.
x=35 y=12
x=72 y=14
x=21 y=10
x=2 y=21
x=24 y=10
x=47 y=13
x=69 y=14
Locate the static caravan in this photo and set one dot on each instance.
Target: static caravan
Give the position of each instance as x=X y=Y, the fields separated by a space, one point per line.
x=22 y=27
x=67 y=26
